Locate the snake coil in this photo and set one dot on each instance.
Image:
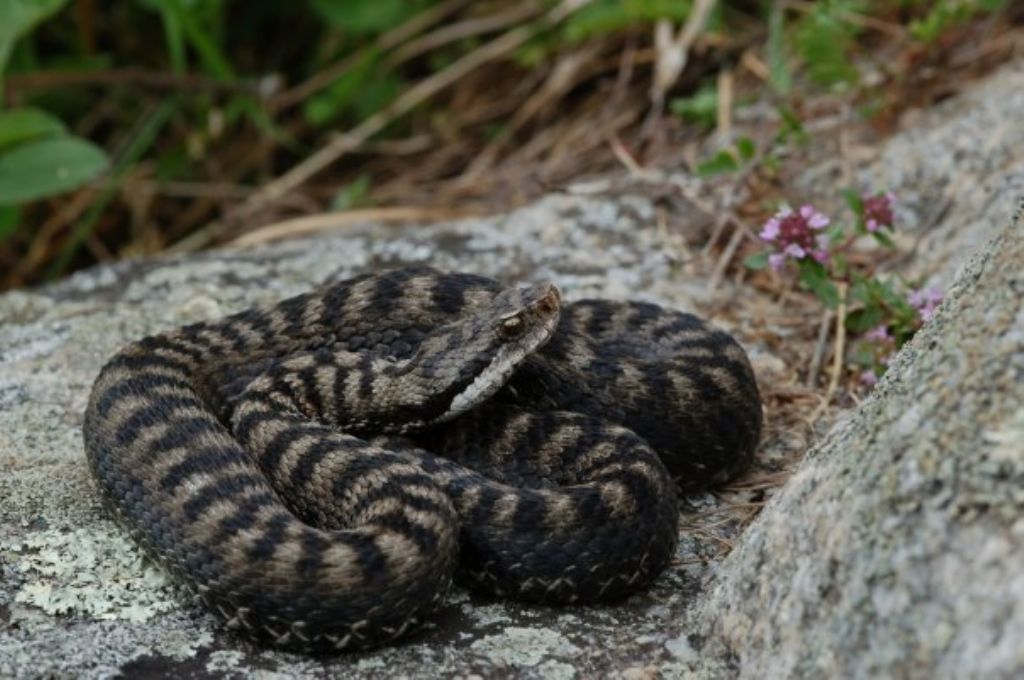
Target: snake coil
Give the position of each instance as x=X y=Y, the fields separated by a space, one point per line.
x=318 y=471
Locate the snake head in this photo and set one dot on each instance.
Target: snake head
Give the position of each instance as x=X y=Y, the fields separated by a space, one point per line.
x=465 y=362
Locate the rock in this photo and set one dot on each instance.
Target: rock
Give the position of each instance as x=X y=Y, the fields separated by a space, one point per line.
x=77 y=599
x=895 y=549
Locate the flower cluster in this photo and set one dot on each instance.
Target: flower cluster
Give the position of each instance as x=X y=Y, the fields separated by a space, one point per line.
x=878 y=211
x=883 y=313
x=796 y=234
x=925 y=301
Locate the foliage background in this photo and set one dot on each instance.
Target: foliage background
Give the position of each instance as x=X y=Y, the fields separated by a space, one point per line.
x=145 y=126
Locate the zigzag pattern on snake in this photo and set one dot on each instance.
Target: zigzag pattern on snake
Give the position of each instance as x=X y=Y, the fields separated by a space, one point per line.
x=319 y=470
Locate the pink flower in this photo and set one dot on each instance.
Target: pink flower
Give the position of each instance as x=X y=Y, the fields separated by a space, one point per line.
x=878 y=334
x=793 y=233
x=868 y=378
x=814 y=218
x=878 y=211
x=770 y=232
x=925 y=300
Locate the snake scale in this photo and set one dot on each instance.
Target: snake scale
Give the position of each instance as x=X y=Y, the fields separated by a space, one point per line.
x=320 y=470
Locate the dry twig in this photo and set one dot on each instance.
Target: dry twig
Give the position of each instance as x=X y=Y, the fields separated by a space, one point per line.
x=385 y=42
x=313 y=224
x=673 y=53
x=461 y=30
x=740 y=230
x=838 y=357
x=818 y=356
x=415 y=95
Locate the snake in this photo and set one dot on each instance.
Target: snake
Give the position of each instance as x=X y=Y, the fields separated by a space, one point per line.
x=320 y=471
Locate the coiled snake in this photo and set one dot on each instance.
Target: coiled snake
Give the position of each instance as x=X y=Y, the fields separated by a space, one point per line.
x=317 y=471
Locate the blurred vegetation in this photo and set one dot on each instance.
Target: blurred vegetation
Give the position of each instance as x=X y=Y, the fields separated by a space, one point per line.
x=143 y=126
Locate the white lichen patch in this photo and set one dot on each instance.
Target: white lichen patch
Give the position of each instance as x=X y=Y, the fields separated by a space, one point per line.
x=372 y=663
x=518 y=646
x=487 y=614
x=224 y=661
x=183 y=644
x=83 y=573
x=680 y=648
x=556 y=670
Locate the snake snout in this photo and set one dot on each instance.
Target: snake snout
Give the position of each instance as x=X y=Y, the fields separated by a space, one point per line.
x=550 y=299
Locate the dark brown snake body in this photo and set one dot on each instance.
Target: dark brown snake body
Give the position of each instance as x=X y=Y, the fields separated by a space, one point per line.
x=319 y=470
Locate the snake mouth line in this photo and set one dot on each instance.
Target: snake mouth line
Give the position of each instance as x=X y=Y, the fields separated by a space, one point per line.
x=540 y=315
x=496 y=373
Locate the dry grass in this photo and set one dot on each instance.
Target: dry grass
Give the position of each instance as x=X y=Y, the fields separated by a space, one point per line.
x=506 y=135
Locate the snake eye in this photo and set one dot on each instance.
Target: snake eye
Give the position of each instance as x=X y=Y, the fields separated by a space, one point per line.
x=512 y=326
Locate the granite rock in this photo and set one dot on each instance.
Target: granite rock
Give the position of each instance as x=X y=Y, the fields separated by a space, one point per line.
x=896 y=548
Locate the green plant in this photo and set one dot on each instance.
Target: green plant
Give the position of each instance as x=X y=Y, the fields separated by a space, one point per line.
x=601 y=17
x=202 y=102
x=945 y=14
x=731 y=159
x=701 y=107
x=885 y=313
x=38 y=156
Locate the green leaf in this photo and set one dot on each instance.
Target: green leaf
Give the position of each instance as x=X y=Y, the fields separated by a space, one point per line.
x=173 y=38
x=355 y=195
x=854 y=200
x=21 y=125
x=377 y=94
x=859 y=288
x=824 y=38
x=815 y=277
x=46 y=167
x=205 y=45
x=757 y=260
x=862 y=355
x=10 y=215
x=17 y=18
x=947 y=13
x=746 y=148
x=792 y=126
x=602 y=17
x=840 y=265
x=883 y=238
x=780 y=77
x=720 y=163
x=366 y=17
x=701 y=107
x=836 y=233
x=342 y=94
x=894 y=300
x=864 y=319
x=534 y=52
